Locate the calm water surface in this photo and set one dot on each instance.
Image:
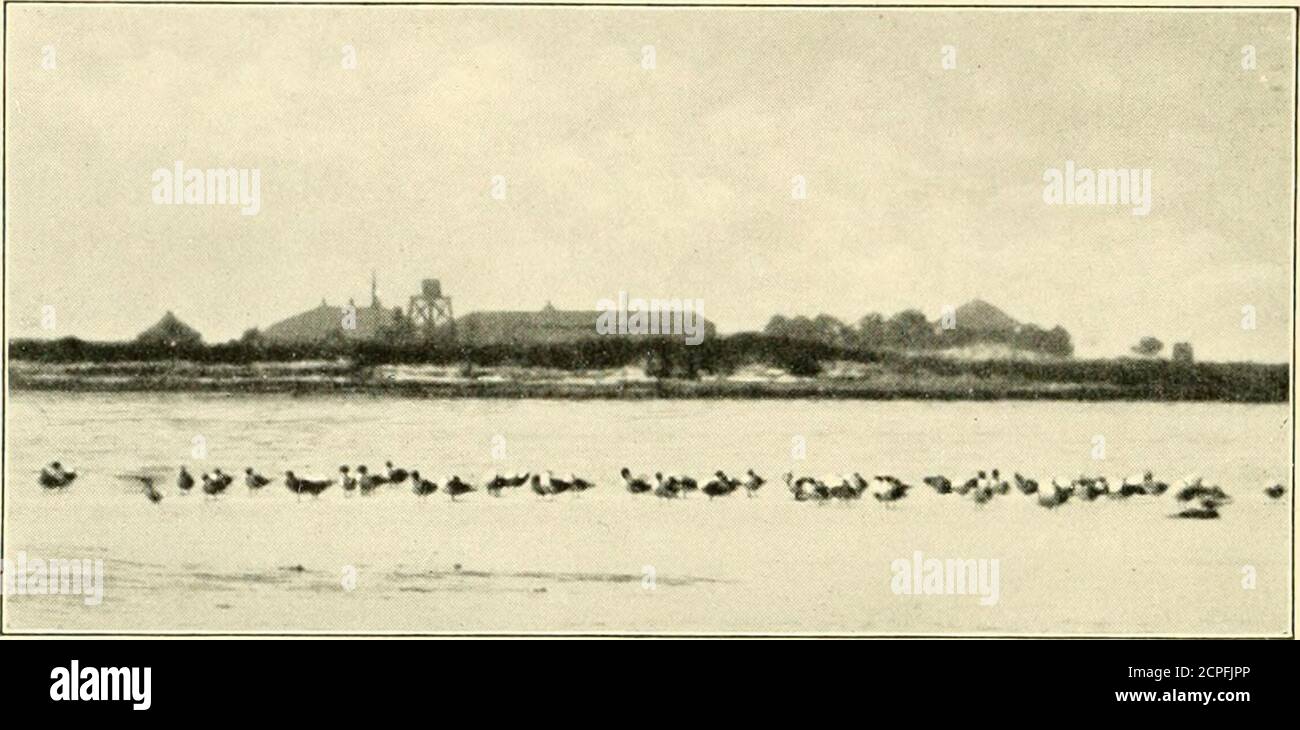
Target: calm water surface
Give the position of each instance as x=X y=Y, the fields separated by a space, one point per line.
x=609 y=561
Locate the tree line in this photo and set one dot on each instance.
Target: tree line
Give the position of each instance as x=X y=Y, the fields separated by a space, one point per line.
x=670 y=358
x=909 y=330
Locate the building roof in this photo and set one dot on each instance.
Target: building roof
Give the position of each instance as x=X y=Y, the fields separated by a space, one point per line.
x=546 y=325
x=170 y=331
x=327 y=322
x=979 y=315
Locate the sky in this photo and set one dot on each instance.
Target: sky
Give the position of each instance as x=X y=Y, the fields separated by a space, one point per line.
x=924 y=184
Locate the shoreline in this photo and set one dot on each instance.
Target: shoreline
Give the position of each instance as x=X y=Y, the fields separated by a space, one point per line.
x=932 y=389
x=897 y=379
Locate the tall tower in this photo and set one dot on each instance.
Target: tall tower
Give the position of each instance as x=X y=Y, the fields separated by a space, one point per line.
x=429 y=309
x=374 y=290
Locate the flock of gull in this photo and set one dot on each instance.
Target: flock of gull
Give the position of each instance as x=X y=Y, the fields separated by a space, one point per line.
x=1202 y=501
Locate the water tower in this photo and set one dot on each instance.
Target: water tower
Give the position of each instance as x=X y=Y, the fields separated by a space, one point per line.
x=430 y=309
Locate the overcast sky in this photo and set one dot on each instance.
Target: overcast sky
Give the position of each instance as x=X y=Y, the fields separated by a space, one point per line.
x=924 y=185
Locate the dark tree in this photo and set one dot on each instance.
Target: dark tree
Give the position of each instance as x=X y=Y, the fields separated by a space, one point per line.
x=777 y=326
x=1148 y=347
x=909 y=330
x=871 y=332
x=831 y=331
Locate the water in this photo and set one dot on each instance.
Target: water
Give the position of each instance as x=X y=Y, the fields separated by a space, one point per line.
x=608 y=561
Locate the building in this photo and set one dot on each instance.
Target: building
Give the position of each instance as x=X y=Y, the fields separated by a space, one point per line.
x=170 y=331
x=328 y=322
x=547 y=326
x=429 y=315
x=980 y=331
x=980 y=316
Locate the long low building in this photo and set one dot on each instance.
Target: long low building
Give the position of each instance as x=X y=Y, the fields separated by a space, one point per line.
x=546 y=326
x=429 y=313
x=328 y=322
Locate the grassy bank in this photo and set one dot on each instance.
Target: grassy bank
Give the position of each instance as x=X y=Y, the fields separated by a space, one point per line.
x=890 y=377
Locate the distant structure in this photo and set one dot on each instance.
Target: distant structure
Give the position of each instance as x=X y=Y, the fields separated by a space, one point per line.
x=981 y=331
x=429 y=315
x=327 y=322
x=978 y=315
x=429 y=309
x=547 y=326
x=171 y=332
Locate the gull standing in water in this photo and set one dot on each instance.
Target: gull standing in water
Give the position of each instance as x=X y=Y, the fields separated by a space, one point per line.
x=395 y=476
x=495 y=482
x=807 y=488
x=892 y=489
x=185 y=481
x=299 y=486
x=940 y=484
x=840 y=486
x=579 y=485
x=1199 y=491
x=1000 y=485
x=253 y=480
x=719 y=486
x=422 y=487
x=666 y=487
x=454 y=486
x=213 y=486
x=682 y=484
x=549 y=486
x=224 y=479
x=55 y=477
x=369 y=482
x=635 y=484
x=1057 y=493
